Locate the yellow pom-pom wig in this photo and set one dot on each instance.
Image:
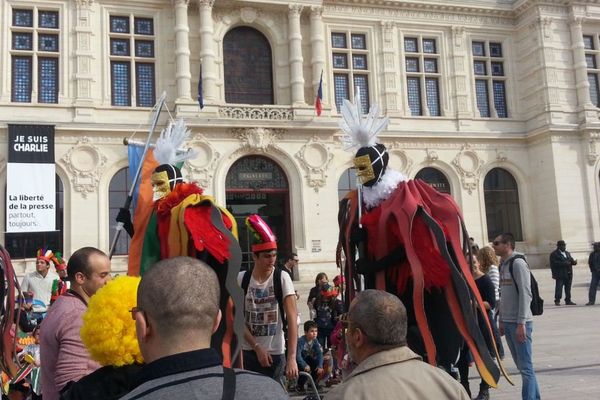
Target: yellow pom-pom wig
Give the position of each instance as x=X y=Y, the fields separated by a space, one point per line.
x=108 y=330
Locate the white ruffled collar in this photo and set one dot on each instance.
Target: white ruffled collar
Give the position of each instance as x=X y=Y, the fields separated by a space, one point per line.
x=374 y=195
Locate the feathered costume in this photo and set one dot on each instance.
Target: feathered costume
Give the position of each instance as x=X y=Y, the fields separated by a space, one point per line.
x=185 y=222
x=406 y=239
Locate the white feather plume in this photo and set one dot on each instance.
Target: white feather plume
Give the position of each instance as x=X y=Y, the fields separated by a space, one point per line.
x=170 y=141
x=360 y=131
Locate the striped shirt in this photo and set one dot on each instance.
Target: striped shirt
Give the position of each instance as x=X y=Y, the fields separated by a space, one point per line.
x=495 y=277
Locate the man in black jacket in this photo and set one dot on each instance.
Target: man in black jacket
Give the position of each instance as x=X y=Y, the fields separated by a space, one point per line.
x=594 y=263
x=561 y=264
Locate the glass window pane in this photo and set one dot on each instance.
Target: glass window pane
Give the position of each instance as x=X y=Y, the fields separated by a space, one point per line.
x=433 y=96
x=21 y=79
x=497 y=69
x=48 y=80
x=435 y=178
x=359 y=42
x=347 y=182
x=120 y=83
x=594 y=90
x=340 y=82
x=410 y=45
x=144 y=26
x=495 y=50
x=23 y=18
x=48 y=19
x=361 y=84
x=48 y=42
x=118 y=190
x=22 y=41
x=500 y=99
x=340 y=60
x=588 y=42
x=478 y=49
x=590 y=60
x=145 y=84
x=501 y=196
x=359 y=61
x=119 y=47
x=144 y=48
x=412 y=64
x=414 y=95
x=481 y=92
x=429 y=46
x=119 y=24
x=430 y=65
x=338 y=40
x=479 y=67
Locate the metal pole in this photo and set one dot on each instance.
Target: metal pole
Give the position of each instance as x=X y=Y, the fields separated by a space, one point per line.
x=159 y=105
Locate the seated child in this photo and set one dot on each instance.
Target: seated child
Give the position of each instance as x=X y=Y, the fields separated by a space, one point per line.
x=309 y=354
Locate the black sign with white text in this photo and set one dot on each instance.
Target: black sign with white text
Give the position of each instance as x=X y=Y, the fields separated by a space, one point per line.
x=31 y=144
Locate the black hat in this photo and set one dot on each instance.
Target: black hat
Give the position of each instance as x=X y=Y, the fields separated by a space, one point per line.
x=560 y=243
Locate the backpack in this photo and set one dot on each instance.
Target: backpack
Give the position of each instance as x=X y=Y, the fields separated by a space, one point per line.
x=324 y=318
x=537 y=303
x=278 y=293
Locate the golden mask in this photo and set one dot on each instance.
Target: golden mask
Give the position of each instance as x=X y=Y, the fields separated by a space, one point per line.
x=160 y=185
x=364 y=169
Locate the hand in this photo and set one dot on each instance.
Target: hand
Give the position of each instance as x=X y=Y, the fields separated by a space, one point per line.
x=291 y=368
x=521 y=335
x=501 y=328
x=124 y=217
x=264 y=358
x=307 y=368
x=319 y=372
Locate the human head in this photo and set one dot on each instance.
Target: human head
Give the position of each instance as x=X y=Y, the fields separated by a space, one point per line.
x=475 y=266
x=561 y=245
x=321 y=279
x=291 y=260
x=108 y=329
x=504 y=244
x=164 y=178
x=310 y=329
x=487 y=257
x=376 y=322
x=596 y=246
x=177 y=307
x=42 y=266
x=371 y=163
x=60 y=264
x=265 y=259
x=88 y=270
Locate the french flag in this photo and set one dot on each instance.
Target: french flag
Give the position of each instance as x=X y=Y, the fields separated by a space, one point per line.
x=319 y=99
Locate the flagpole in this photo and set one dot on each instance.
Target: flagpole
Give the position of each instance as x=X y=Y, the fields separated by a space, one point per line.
x=159 y=105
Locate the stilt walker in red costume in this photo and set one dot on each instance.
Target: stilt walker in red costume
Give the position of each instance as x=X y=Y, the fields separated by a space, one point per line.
x=405 y=237
x=186 y=222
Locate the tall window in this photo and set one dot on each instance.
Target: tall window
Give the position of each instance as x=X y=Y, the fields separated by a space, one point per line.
x=422 y=61
x=347 y=182
x=490 y=80
x=132 y=61
x=25 y=245
x=590 y=44
x=34 y=55
x=350 y=67
x=502 y=209
x=248 y=67
x=117 y=194
x=435 y=178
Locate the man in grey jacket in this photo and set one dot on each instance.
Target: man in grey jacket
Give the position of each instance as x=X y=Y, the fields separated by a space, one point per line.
x=515 y=312
x=177 y=312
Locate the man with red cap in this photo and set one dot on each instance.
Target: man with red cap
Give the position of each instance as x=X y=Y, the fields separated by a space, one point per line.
x=60 y=285
x=39 y=282
x=269 y=306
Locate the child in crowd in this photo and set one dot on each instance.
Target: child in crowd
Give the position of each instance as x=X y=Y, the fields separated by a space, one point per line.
x=309 y=354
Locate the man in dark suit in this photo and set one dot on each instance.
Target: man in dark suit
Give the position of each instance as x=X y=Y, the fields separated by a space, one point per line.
x=561 y=264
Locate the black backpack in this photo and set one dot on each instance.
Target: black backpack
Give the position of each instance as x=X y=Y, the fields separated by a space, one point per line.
x=537 y=303
x=278 y=294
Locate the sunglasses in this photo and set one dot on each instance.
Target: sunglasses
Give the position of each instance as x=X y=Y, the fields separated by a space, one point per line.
x=134 y=311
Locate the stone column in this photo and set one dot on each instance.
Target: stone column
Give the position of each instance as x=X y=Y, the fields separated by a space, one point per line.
x=182 y=51
x=317 y=44
x=390 y=70
x=207 y=51
x=579 y=64
x=296 y=61
x=461 y=81
x=84 y=75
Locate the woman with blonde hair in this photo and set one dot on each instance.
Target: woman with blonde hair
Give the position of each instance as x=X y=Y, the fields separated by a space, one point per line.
x=489 y=266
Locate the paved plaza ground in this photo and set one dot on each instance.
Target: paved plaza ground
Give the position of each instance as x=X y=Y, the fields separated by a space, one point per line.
x=566 y=343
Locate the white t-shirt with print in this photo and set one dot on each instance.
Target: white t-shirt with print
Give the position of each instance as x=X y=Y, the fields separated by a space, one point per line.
x=261 y=312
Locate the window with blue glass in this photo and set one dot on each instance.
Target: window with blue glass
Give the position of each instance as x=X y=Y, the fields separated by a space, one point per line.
x=350 y=67
x=22 y=18
x=594 y=89
x=48 y=19
x=144 y=26
x=144 y=74
x=48 y=42
x=590 y=43
x=48 y=80
x=119 y=24
x=22 y=41
x=144 y=48
x=500 y=99
x=120 y=83
x=422 y=63
x=119 y=47
x=21 y=79
x=481 y=93
x=490 y=82
x=414 y=96
x=433 y=96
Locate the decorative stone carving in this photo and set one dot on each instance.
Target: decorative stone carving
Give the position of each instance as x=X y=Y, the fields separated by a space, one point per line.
x=248 y=14
x=201 y=168
x=316 y=11
x=315 y=158
x=431 y=156
x=209 y=3
x=468 y=164
x=399 y=160
x=258 y=139
x=501 y=156
x=295 y=9
x=546 y=24
x=85 y=163
x=592 y=138
x=256 y=113
x=457 y=33
x=84 y=3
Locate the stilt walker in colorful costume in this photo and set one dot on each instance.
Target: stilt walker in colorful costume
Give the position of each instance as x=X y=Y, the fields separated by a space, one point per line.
x=181 y=221
x=405 y=237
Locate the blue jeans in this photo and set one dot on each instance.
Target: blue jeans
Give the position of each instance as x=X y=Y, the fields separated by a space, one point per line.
x=522 y=356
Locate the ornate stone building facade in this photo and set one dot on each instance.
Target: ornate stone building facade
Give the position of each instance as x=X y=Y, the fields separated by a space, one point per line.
x=493 y=101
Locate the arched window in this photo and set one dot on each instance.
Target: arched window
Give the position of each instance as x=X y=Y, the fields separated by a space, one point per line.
x=117 y=194
x=248 y=67
x=435 y=178
x=25 y=245
x=502 y=209
x=347 y=182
